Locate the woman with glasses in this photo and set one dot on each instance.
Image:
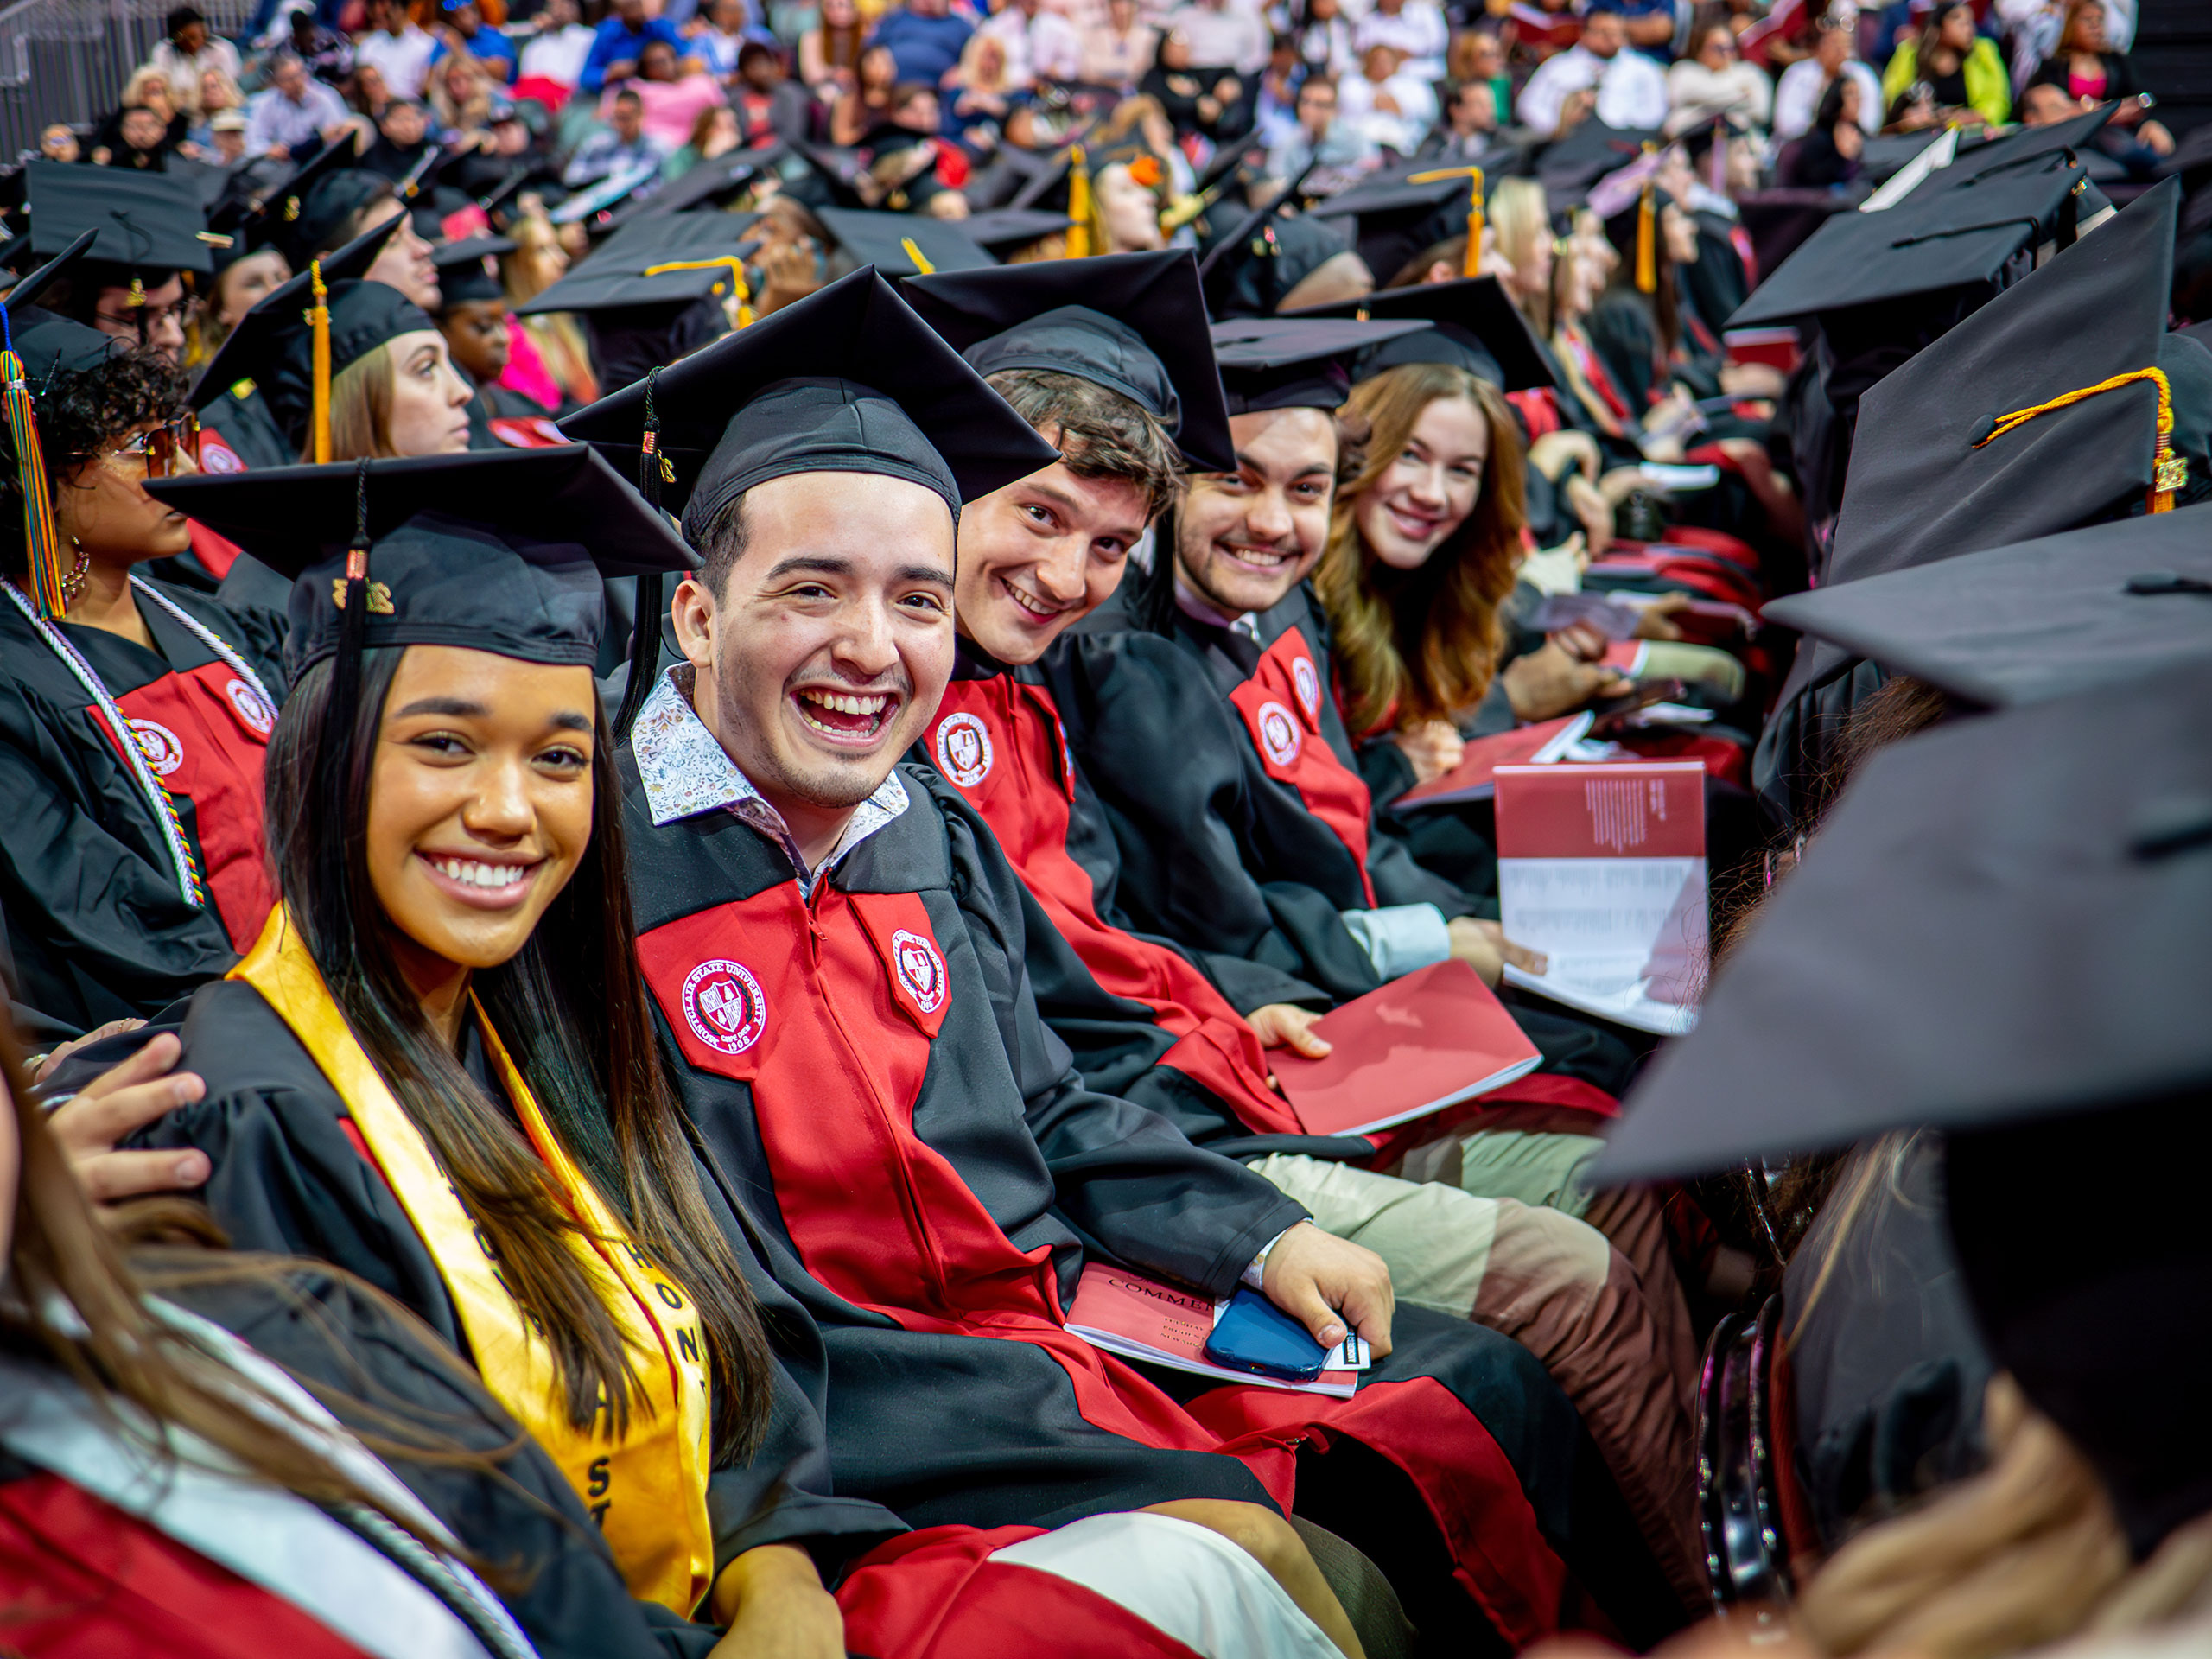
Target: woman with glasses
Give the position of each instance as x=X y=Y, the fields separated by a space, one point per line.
x=133 y=714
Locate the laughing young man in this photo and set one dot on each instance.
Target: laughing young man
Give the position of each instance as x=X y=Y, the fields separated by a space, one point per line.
x=836 y=949
x=1083 y=351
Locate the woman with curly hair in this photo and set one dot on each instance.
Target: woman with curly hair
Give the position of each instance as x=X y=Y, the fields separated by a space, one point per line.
x=134 y=713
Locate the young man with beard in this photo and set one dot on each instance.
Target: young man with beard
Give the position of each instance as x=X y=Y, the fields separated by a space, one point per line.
x=1083 y=352
x=836 y=950
x=1262 y=846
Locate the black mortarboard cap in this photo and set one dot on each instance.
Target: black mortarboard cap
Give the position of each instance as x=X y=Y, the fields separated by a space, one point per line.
x=2040 y=620
x=462 y=274
x=1929 y=481
x=288 y=201
x=1000 y=231
x=328 y=203
x=501 y=551
x=2020 y=146
x=1477 y=327
x=650 y=263
x=1569 y=165
x=706 y=186
x=849 y=379
x=1254 y=269
x=1134 y=323
x=148 y=227
x=1294 y=362
x=260 y=347
x=1950 y=236
x=1388 y=217
x=25 y=292
x=880 y=239
x=2001 y=919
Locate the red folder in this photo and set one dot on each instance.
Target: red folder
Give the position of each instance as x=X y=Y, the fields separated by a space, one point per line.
x=1473 y=779
x=1432 y=1039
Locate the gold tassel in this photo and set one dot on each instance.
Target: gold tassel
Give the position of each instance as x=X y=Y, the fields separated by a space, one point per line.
x=727 y=262
x=319 y=405
x=1472 y=265
x=1647 y=241
x=2169 y=471
x=41 y=540
x=1079 y=208
x=922 y=266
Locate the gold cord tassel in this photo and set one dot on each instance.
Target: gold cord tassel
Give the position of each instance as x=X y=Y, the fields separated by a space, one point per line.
x=1647 y=241
x=2169 y=471
x=319 y=405
x=1471 y=265
x=922 y=265
x=1079 y=208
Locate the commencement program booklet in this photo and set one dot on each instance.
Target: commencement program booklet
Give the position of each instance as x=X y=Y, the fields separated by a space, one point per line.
x=1137 y=1317
x=1431 y=1039
x=1602 y=868
x=1473 y=779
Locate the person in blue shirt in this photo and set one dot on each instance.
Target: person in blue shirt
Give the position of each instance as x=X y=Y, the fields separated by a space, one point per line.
x=924 y=38
x=1650 y=25
x=465 y=30
x=622 y=37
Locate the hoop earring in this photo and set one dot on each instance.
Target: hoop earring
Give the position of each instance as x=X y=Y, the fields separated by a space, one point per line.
x=73 y=582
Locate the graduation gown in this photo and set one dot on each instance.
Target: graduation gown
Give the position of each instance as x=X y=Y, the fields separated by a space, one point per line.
x=99 y=921
x=240 y=417
x=292 y=1177
x=1244 y=826
x=867 y=1062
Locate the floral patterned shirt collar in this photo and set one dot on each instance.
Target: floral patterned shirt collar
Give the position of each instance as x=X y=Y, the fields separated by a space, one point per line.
x=686 y=772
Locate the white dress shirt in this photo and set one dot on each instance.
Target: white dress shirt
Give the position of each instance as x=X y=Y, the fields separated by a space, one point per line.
x=272 y=119
x=1417 y=34
x=1797 y=98
x=403 y=60
x=1631 y=89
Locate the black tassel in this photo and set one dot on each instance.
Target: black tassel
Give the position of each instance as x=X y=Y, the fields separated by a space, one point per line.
x=2070 y=217
x=645 y=627
x=345 y=667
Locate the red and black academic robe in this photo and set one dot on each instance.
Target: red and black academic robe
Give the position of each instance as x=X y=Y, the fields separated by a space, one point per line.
x=98 y=923
x=1236 y=802
x=867 y=1067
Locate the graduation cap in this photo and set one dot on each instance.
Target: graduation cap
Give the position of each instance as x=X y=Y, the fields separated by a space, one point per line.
x=499 y=550
x=462 y=276
x=1477 y=328
x=903 y=245
x=1134 y=323
x=708 y=185
x=35 y=345
x=1568 y=165
x=1937 y=238
x=2024 y=144
x=1254 y=269
x=148 y=227
x=1390 y=217
x=2048 y=408
x=1294 y=362
x=274 y=342
x=2001 y=919
x=2040 y=620
x=1002 y=231
x=849 y=379
x=651 y=264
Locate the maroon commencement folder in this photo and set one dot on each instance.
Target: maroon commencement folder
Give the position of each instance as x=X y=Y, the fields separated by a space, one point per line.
x=1432 y=1039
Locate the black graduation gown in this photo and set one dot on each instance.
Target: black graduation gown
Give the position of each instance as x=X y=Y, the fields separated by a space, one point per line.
x=241 y=417
x=288 y=1178
x=98 y=922
x=1247 y=851
x=869 y=1068
x=369 y=1363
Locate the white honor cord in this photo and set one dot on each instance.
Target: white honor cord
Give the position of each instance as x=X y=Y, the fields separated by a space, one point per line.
x=207 y=637
x=157 y=798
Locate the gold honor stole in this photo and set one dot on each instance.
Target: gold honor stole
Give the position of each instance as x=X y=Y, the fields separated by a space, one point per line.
x=647 y=1491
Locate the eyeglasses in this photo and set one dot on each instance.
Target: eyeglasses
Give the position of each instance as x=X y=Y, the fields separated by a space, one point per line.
x=150 y=316
x=163 y=446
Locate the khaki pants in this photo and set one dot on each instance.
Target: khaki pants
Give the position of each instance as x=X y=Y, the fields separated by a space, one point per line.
x=1555 y=1286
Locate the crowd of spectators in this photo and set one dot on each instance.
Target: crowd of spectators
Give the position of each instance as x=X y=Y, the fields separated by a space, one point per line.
x=633 y=87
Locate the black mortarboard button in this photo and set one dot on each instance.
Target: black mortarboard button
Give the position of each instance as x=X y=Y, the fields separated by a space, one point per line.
x=1135 y=323
x=1980 y=934
x=1960 y=234
x=849 y=379
x=1002 y=231
x=1949 y=457
x=463 y=276
x=148 y=227
x=651 y=262
x=2044 y=619
x=891 y=242
x=1477 y=327
x=501 y=551
x=1294 y=362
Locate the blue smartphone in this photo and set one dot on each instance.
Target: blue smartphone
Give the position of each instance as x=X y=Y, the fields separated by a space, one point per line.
x=1253 y=1334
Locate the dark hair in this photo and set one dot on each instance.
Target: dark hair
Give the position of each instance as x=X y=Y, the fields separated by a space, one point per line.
x=720 y=545
x=78 y=412
x=181 y=18
x=629 y=95
x=905 y=91
x=572 y=1007
x=1098 y=432
x=753 y=51
x=1831 y=110
x=1320 y=78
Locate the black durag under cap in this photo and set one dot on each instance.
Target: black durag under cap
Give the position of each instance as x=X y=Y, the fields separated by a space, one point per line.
x=2093 y=1288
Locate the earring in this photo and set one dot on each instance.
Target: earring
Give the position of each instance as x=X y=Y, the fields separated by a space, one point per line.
x=72 y=584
